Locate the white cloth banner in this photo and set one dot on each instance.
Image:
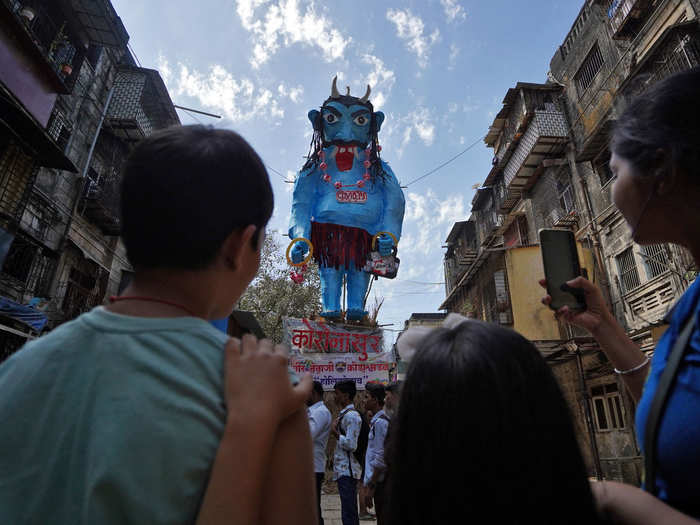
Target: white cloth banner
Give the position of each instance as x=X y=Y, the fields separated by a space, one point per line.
x=330 y=368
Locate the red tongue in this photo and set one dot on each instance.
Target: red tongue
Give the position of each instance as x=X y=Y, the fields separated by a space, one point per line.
x=344 y=160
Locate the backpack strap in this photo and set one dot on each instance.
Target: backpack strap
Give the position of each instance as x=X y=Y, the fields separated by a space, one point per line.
x=668 y=376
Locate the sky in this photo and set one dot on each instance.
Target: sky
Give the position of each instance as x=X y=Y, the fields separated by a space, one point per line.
x=438 y=69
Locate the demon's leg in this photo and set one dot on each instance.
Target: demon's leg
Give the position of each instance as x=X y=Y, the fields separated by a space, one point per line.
x=357 y=288
x=331 y=287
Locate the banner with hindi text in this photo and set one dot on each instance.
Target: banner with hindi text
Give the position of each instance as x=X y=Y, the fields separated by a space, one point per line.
x=328 y=369
x=304 y=336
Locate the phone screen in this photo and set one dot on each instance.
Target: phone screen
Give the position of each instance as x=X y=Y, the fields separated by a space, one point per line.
x=561 y=264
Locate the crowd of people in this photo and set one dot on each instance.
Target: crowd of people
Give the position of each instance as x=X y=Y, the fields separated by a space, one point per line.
x=141 y=411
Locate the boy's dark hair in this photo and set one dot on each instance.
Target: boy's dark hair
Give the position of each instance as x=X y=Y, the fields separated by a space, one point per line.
x=318 y=388
x=347 y=386
x=185 y=189
x=394 y=387
x=664 y=117
x=377 y=391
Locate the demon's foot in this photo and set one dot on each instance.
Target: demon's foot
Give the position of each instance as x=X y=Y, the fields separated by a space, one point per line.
x=333 y=314
x=355 y=315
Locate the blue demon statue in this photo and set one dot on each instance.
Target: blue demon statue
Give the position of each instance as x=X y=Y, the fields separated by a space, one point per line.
x=344 y=196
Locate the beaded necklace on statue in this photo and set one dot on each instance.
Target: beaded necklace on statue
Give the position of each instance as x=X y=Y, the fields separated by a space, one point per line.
x=339 y=185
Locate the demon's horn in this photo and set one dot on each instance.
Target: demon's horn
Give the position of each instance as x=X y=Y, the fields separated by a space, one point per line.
x=334 y=88
x=347 y=91
x=366 y=95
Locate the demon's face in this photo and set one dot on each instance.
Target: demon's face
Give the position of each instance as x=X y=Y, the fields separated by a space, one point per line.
x=345 y=120
x=346 y=124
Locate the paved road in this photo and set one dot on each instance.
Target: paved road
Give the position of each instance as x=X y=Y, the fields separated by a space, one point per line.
x=330 y=506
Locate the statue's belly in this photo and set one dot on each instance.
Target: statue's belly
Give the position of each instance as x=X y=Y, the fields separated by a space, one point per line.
x=351 y=206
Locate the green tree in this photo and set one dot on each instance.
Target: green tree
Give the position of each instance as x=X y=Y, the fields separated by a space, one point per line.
x=273 y=295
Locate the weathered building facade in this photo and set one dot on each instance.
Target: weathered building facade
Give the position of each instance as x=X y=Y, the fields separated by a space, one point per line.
x=73 y=103
x=550 y=170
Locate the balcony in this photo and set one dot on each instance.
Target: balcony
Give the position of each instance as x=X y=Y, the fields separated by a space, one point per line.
x=546 y=133
x=43 y=32
x=626 y=16
x=100 y=204
x=140 y=104
x=462 y=251
x=489 y=223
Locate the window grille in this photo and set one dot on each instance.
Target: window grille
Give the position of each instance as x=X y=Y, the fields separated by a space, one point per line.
x=589 y=69
x=607 y=405
x=20 y=258
x=627 y=267
x=655 y=259
x=566 y=194
x=602 y=167
x=522 y=228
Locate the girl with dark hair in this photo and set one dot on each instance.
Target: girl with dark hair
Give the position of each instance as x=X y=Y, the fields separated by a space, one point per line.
x=656 y=159
x=482 y=433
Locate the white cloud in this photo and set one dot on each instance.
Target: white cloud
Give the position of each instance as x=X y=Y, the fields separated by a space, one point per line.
x=216 y=89
x=288 y=22
x=410 y=28
x=432 y=218
x=381 y=79
x=454 y=54
x=453 y=10
x=293 y=93
x=418 y=123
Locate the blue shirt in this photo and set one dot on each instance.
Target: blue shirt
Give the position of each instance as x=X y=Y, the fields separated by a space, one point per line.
x=678 y=447
x=374 y=458
x=344 y=461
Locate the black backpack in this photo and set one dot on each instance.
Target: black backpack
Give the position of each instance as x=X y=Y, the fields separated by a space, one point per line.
x=362 y=439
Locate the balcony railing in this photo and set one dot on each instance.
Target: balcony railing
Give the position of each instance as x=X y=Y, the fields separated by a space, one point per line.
x=545 y=134
x=624 y=16
x=101 y=202
x=140 y=104
x=49 y=31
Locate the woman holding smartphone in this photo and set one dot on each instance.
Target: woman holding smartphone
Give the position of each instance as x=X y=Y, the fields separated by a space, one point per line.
x=656 y=158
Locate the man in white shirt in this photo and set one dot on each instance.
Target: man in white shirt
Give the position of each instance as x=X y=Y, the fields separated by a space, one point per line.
x=373 y=481
x=346 y=469
x=320 y=422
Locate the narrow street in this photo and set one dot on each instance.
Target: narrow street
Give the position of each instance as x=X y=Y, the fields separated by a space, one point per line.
x=330 y=505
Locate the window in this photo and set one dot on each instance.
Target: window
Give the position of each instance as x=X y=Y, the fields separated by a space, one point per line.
x=601 y=165
x=589 y=69
x=94 y=52
x=19 y=258
x=523 y=229
x=566 y=194
x=627 y=267
x=655 y=259
x=607 y=405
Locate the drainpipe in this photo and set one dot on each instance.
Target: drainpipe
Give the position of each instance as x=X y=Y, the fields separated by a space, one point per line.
x=589 y=415
x=80 y=183
x=593 y=225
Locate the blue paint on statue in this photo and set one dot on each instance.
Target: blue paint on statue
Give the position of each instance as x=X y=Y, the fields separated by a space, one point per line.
x=344 y=195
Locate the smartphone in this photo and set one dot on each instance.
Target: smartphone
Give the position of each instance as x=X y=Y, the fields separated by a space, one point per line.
x=561 y=264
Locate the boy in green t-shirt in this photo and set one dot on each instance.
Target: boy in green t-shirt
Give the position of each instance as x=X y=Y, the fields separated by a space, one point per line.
x=118 y=416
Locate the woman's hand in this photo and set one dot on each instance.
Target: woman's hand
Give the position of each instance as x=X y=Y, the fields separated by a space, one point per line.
x=258 y=388
x=596 y=313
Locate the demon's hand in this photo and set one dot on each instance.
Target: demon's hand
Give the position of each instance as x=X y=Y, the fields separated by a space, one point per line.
x=386 y=245
x=299 y=251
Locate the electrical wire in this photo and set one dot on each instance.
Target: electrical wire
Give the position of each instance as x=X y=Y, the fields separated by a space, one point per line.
x=448 y=161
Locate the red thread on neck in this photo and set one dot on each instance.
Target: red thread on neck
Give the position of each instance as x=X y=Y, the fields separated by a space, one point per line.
x=116 y=298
